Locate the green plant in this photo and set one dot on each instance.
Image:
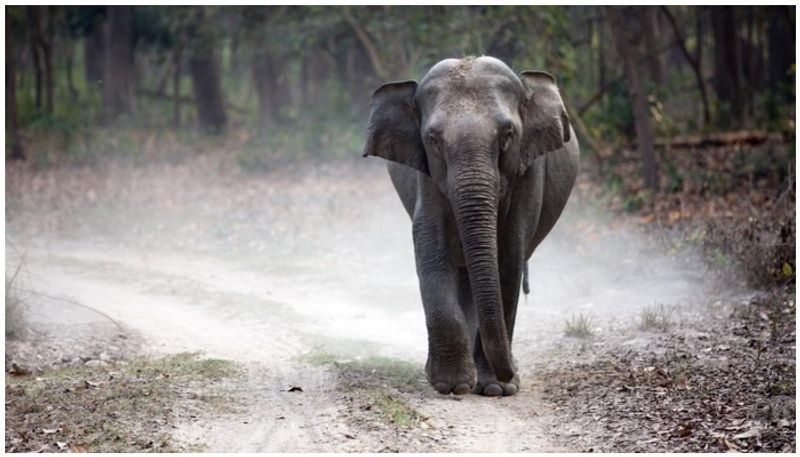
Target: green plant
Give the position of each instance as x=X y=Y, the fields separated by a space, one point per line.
x=394 y=409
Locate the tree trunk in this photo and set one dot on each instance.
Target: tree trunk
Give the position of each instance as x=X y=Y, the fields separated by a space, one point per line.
x=94 y=55
x=70 y=65
x=34 y=32
x=695 y=62
x=641 y=115
x=652 y=44
x=727 y=65
x=176 y=84
x=207 y=87
x=781 y=48
x=118 y=84
x=49 y=69
x=12 y=113
x=601 y=54
x=263 y=80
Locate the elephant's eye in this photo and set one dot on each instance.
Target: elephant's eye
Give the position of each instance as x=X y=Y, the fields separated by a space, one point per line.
x=435 y=141
x=506 y=139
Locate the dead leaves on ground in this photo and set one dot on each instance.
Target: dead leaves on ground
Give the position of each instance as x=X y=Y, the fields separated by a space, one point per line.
x=709 y=390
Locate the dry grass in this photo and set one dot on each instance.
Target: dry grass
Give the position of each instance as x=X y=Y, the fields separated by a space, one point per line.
x=721 y=386
x=580 y=326
x=128 y=408
x=657 y=317
x=15 y=305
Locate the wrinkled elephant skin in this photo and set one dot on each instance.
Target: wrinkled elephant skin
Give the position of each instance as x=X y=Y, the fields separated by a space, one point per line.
x=483 y=160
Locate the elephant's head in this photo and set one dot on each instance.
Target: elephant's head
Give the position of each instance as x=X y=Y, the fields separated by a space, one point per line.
x=472 y=126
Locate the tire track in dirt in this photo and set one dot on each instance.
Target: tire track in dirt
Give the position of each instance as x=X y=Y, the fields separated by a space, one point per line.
x=178 y=309
x=182 y=319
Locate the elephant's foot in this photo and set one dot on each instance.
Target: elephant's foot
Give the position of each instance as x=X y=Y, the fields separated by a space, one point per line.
x=489 y=386
x=451 y=376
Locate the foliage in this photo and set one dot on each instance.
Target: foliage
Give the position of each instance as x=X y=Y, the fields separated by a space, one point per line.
x=325 y=61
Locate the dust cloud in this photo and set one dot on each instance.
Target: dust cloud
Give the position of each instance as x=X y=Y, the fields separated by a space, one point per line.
x=306 y=258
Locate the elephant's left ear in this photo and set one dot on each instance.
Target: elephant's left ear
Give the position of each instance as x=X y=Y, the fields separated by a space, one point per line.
x=544 y=117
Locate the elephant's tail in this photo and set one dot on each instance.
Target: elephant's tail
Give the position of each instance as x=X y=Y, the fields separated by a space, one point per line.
x=526 y=287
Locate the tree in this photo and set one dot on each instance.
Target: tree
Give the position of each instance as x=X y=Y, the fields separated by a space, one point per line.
x=34 y=39
x=695 y=61
x=641 y=115
x=94 y=54
x=781 y=49
x=118 y=82
x=205 y=72
x=728 y=73
x=12 y=111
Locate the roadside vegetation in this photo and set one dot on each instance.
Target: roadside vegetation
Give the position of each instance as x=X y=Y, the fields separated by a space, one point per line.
x=657 y=317
x=579 y=326
x=376 y=386
x=725 y=379
x=15 y=304
x=696 y=147
x=128 y=407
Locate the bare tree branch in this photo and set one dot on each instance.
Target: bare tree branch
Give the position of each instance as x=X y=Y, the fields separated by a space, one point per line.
x=695 y=64
x=368 y=44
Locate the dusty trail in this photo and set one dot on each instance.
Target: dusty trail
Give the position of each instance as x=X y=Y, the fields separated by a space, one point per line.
x=268 y=269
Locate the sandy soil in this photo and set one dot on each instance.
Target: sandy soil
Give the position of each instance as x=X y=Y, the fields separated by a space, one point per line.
x=271 y=269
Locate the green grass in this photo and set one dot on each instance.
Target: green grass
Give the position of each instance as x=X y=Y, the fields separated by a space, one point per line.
x=364 y=372
x=393 y=409
x=373 y=381
x=187 y=364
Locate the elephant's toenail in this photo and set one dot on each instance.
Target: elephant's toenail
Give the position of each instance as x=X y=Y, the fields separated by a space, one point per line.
x=492 y=390
x=442 y=388
x=509 y=389
x=461 y=389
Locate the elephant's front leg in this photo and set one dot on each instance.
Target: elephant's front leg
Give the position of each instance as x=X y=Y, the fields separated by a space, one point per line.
x=450 y=366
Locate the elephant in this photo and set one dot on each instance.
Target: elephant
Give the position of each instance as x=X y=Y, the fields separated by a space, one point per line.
x=484 y=161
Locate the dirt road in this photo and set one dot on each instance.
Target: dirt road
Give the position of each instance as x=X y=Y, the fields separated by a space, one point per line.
x=306 y=263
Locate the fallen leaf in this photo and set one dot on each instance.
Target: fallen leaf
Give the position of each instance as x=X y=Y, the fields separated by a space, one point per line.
x=729 y=445
x=684 y=431
x=755 y=431
x=347 y=435
x=91 y=385
x=78 y=448
x=295 y=389
x=17 y=370
x=50 y=431
x=61 y=445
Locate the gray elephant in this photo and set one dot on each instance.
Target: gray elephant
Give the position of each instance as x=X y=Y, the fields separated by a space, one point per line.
x=484 y=161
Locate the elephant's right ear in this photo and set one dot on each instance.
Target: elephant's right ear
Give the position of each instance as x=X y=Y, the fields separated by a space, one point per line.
x=393 y=126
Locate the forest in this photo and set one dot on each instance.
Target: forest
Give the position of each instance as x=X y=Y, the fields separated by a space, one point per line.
x=198 y=258
x=300 y=77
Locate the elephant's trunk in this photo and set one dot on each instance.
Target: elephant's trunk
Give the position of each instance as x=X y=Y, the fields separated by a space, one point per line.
x=474 y=199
